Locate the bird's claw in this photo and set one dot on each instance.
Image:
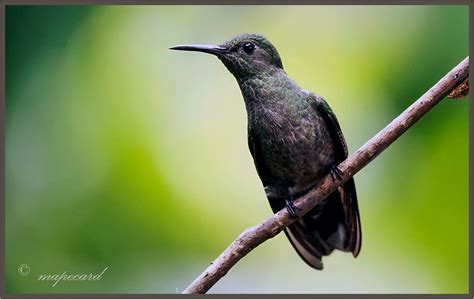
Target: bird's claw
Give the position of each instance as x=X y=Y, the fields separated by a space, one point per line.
x=336 y=173
x=290 y=207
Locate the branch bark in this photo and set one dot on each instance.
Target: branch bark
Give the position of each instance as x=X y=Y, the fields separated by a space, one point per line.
x=256 y=235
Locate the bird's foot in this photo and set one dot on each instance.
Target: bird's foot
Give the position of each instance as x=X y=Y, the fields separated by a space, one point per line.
x=290 y=207
x=336 y=173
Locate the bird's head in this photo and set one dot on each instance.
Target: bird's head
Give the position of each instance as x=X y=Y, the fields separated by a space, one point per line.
x=244 y=56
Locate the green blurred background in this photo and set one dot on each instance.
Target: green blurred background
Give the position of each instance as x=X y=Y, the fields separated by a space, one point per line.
x=123 y=154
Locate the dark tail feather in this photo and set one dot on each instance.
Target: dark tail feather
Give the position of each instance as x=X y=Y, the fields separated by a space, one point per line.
x=335 y=224
x=355 y=239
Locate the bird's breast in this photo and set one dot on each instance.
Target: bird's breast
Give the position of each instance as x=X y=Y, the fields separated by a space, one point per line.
x=296 y=144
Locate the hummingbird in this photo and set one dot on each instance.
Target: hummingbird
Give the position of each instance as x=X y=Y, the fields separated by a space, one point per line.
x=295 y=140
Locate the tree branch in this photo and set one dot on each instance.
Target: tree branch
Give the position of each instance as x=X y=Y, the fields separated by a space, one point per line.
x=254 y=236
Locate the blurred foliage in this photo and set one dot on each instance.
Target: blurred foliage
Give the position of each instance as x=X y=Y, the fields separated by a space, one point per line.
x=122 y=154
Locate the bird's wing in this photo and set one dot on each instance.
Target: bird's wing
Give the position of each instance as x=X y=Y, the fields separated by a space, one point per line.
x=347 y=193
x=339 y=143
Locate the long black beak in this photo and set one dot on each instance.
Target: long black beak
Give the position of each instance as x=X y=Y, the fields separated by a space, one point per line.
x=211 y=49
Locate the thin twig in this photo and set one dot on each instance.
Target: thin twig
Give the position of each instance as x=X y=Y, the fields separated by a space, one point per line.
x=254 y=236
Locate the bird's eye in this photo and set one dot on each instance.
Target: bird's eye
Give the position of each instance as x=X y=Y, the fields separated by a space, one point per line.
x=248 y=48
